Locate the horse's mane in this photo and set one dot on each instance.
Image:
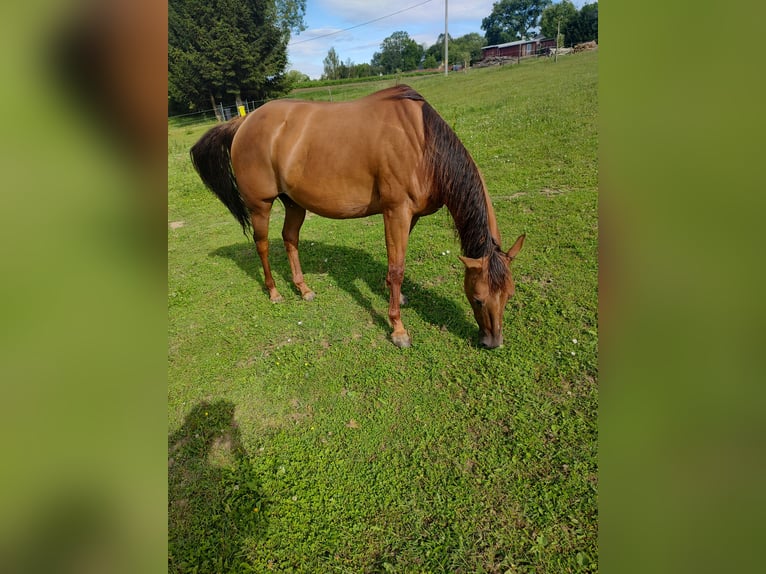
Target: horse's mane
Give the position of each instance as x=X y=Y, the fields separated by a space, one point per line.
x=456 y=178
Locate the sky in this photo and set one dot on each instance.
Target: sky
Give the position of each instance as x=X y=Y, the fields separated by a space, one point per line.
x=423 y=23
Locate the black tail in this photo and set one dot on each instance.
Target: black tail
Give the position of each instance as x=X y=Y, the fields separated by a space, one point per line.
x=212 y=160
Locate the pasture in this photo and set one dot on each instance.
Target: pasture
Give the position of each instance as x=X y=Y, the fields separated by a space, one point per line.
x=302 y=440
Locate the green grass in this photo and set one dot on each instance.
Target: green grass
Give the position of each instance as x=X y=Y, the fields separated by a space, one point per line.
x=302 y=440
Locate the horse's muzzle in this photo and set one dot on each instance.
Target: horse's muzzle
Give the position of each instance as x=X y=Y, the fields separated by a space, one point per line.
x=489 y=341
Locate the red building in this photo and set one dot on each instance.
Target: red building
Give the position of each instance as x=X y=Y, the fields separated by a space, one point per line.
x=519 y=48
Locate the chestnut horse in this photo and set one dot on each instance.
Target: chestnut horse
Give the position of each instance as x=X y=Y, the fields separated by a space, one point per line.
x=389 y=153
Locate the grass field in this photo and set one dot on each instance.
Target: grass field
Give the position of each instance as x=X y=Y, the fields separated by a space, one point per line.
x=302 y=440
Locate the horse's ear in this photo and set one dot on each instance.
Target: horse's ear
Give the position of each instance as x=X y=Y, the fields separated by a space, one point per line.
x=470 y=263
x=514 y=251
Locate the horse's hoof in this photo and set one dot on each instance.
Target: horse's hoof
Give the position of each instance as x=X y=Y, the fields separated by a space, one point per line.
x=402 y=341
x=277 y=299
x=309 y=296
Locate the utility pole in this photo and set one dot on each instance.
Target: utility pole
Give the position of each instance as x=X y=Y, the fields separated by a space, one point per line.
x=446 y=49
x=558 y=35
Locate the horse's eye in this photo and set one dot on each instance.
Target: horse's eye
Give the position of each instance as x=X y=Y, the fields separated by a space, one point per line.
x=478 y=302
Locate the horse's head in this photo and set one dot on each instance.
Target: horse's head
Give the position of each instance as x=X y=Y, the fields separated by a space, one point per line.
x=489 y=304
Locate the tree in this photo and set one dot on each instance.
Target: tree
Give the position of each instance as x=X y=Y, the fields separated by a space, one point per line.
x=557 y=17
x=584 y=26
x=290 y=15
x=296 y=77
x=348 y=68
x=398 y=52
x=363 y=70
x=331 y=65
x=437 y=50
x=512 y=20
x=467 y=48
x=224 y=50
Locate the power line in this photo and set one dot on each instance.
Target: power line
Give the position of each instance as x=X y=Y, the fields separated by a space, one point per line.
x=358 y=25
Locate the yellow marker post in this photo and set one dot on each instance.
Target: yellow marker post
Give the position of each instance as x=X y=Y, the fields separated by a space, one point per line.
x=242 y=111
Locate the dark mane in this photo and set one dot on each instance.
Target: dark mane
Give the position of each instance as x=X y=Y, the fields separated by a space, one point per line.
x=401 y=92
x=456 y=178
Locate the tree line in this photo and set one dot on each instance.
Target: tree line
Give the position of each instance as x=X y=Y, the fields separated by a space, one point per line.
x=400 y=53
x=234 y=50
x=513 y=20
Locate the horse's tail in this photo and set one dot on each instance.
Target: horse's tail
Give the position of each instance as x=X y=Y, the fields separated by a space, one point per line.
x=211 y=157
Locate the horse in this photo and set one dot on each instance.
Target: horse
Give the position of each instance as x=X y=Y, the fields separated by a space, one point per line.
x=387 y=153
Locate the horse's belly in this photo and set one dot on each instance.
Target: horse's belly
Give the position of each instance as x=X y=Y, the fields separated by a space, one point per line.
x=340 y=203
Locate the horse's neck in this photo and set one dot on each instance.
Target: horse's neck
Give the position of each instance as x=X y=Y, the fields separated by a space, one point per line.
x=473 y=229
x=491 y=219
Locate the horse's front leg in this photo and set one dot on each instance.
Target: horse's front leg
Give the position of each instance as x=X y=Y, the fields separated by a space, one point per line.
x=397 y=225
x=402 y=297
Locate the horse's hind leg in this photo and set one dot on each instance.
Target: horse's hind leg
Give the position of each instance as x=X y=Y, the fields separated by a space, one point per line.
x=294 y=217
x=259 y=217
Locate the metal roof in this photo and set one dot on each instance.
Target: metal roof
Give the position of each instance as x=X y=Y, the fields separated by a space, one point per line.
x=517 y=43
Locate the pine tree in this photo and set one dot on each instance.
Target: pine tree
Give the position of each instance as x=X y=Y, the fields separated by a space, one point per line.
x=228 y=50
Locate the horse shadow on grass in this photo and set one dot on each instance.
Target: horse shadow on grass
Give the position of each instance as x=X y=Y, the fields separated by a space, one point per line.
x=346 y=266
x=214 y=498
